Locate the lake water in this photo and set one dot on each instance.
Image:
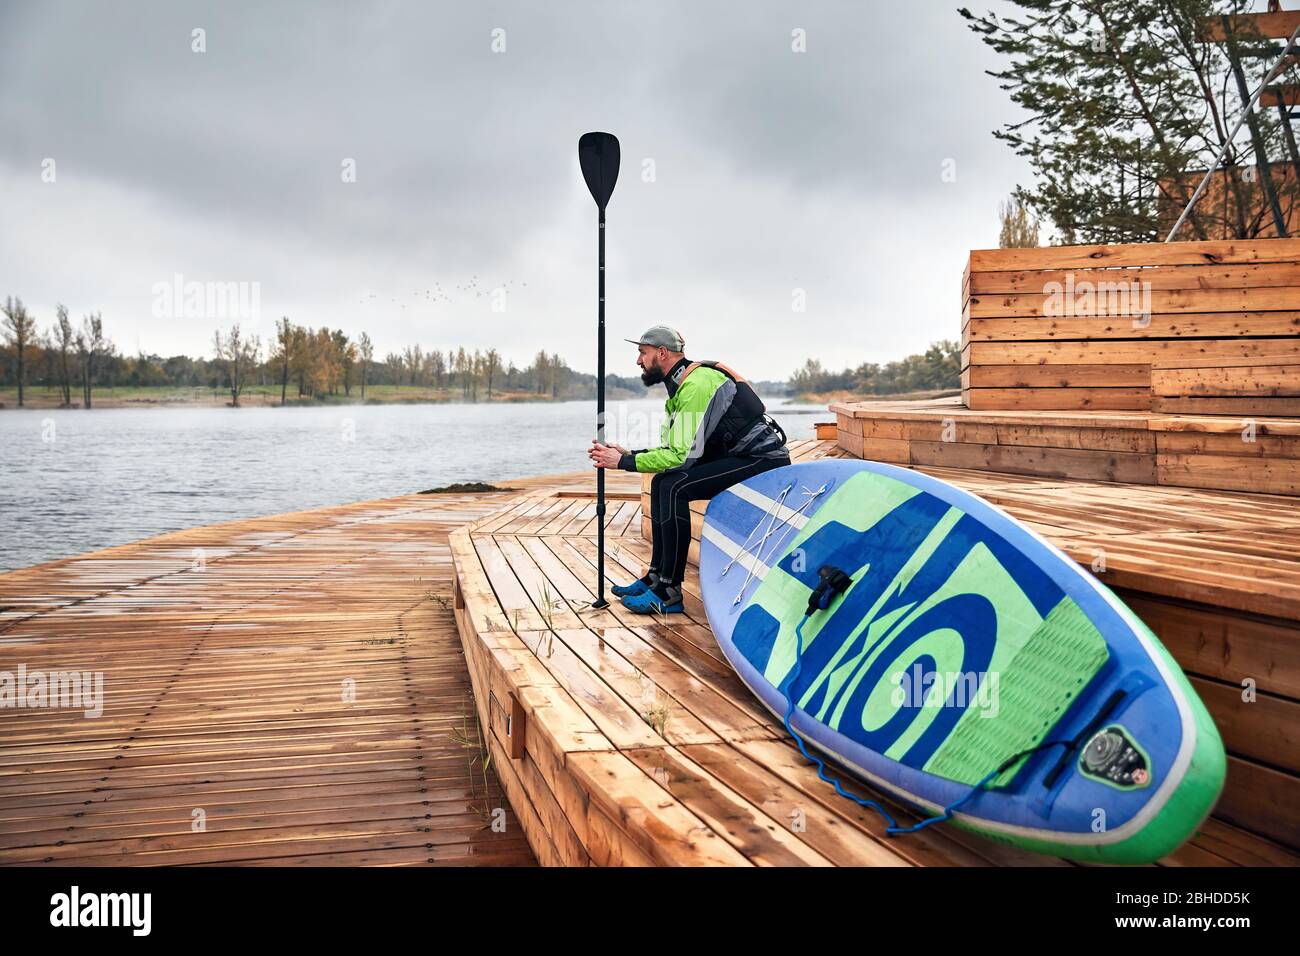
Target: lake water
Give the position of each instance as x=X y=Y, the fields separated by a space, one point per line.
x=75 y=481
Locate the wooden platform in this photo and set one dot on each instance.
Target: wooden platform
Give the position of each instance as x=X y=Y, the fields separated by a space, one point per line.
x=1184 y=451
x=295 y=681
x=1249 y=26
x=1209 y=328
x=626 y=739
x=617 y=738
x=1216 y=575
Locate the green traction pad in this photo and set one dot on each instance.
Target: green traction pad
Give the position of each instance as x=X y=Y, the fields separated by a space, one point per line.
x=1032 y=692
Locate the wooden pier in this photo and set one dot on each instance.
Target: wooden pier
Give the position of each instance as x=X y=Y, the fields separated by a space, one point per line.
x=329 y=687
x=615 y=738
x=284 y=691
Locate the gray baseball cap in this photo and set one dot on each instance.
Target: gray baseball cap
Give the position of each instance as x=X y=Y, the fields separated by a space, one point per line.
x=661 y=336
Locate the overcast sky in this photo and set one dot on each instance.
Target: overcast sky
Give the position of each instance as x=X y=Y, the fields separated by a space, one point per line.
x=774 y=170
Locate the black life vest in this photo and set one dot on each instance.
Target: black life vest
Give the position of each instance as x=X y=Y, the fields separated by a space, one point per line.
x=745 y=411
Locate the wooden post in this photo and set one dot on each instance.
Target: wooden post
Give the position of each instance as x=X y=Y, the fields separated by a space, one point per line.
x=1284 y=115
x=517 y=728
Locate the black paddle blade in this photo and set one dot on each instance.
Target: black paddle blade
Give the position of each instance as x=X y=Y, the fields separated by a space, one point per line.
x=598 y=156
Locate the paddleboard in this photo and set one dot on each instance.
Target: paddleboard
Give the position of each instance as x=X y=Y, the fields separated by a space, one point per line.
x=963 y=640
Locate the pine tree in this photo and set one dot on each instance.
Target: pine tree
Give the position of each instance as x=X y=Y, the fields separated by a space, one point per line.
x=1127 y=105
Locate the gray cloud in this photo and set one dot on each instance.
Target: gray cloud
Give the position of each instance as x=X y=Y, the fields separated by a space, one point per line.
x=775 y=170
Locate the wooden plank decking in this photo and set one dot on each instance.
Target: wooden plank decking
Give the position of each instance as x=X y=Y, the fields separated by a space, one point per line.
x=633 y=740
x=1145 y=448
x=617 y=739
x=226 y=654
x=1182 y=327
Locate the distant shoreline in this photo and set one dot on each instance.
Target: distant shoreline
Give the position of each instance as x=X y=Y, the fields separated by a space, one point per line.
x=129 y=397
x=827 y=398
x=41 y=399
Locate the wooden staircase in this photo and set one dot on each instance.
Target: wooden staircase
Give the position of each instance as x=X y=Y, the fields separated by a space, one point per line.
x=1162 y=450
x=626 y=740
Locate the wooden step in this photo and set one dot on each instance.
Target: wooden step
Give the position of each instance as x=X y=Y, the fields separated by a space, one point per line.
x=1147 y=448
x=1184 y=327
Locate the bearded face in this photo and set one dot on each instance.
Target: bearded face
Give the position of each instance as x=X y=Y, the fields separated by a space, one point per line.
x=651 y=376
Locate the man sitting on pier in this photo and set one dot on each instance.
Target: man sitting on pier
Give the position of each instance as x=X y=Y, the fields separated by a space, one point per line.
x=717 y=433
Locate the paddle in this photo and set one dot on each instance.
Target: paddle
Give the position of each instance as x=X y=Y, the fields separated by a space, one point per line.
x=598 y=156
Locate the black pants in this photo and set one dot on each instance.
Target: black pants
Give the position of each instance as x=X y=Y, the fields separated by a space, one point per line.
x=671 y=493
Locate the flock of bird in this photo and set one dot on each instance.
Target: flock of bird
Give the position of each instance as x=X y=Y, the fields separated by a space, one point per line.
x=439 y=294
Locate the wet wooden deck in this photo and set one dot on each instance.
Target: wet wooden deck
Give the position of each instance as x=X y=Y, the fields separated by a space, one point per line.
x=626 y=739
x=298 y=683
x=287 y=690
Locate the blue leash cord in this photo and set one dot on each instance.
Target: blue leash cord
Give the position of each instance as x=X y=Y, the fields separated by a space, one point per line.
x=892 y=828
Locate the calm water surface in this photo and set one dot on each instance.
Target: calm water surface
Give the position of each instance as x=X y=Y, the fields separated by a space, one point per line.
x=75 y=481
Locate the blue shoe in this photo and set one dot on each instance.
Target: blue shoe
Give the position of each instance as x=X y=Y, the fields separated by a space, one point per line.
x=650 y=603
x=626 y=590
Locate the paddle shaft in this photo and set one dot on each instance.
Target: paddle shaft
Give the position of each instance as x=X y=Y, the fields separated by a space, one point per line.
x=600 y=412
x=598 y=155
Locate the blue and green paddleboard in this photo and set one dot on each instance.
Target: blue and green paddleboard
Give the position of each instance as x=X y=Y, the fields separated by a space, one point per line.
x=962 y=644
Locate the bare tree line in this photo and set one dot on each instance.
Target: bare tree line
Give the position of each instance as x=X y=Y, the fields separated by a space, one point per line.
x=315 y=363
x=75 y=351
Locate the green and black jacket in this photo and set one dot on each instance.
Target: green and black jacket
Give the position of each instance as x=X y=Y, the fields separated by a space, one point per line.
x=712 y=413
